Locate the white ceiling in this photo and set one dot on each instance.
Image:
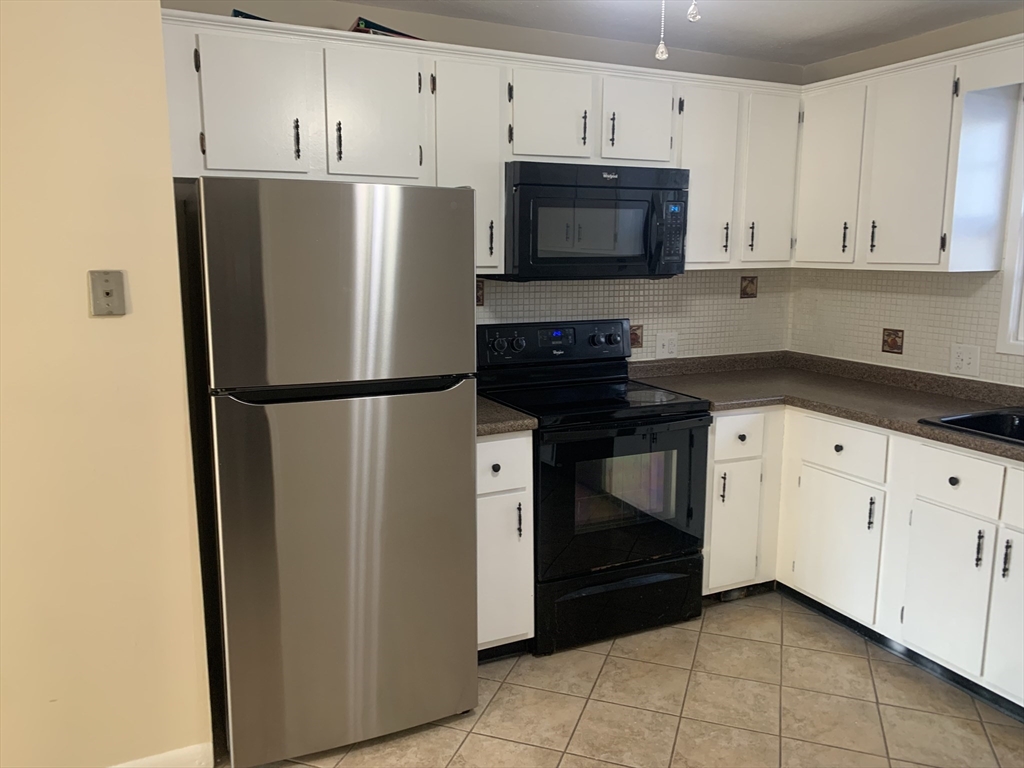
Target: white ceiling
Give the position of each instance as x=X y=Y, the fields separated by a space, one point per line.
x=786 y=31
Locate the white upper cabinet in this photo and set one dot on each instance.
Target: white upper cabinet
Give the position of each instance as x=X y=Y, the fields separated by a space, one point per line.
x=906 y=148
x=254 y=97
x=553 y=113
x=637 y=119
x=469 y=149
x=710 y=126
x=833 y=131
x=374 y=116
x=770 y=178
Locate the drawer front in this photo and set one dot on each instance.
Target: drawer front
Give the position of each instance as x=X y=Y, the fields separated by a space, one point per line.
x=1013 y=498
x=503 y=464
x=846 y=449
x=738 y=437
x=959 y=481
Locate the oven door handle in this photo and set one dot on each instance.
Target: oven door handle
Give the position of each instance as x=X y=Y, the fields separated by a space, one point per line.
x=630 y=429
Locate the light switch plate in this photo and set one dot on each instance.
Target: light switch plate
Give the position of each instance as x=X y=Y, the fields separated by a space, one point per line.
x=106 y=292
x=964 y=359
x=666 y=344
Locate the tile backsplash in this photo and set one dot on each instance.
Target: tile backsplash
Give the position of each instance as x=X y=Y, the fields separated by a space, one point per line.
x=836 y=313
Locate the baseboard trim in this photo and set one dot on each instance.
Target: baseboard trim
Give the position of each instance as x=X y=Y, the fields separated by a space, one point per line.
x=195 y=756
x=516 y=648
x=993 y=699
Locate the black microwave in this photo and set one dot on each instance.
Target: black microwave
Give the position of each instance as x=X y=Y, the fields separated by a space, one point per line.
x=575 y=222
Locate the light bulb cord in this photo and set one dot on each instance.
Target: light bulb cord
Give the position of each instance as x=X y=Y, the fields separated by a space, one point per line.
x=662 y=20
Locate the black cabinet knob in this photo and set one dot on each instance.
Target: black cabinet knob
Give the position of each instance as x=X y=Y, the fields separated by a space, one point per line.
x=839 y=448
x=954 y=481
x=495 y=468
x=743 y=438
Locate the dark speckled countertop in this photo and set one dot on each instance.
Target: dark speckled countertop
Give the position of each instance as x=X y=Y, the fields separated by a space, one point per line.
x=495 y=419
x=881 y=405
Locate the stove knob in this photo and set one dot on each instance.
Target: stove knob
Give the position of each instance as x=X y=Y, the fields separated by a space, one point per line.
x=614 y=338
x=596 y=339
x=518 y=343
x=499 y=345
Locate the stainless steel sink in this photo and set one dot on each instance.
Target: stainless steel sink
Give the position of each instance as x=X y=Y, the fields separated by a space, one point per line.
x=1006 y=424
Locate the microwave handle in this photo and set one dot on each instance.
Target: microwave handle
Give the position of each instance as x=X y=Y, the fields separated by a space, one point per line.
x=655 y=236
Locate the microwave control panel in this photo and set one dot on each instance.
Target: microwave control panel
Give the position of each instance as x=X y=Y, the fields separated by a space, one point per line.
x=543 y=342
x=675 y=227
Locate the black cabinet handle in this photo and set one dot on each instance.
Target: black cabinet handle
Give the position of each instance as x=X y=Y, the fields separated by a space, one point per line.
x=421 y=154
x=584 y=127
x=838 y=448
x=874 y=226
x=490 y=246
x=613 y=129
x=725 y=479
x=751 y=235
x=846 y=227
x=726 y=246
x=579 y=233
x=743 y=438
x=495 y=468
x=519 y=527
x=1006 y=558
x=871 y=513
x=954 y=481
x=337 y=131
x=298 y=146
x=977 y=551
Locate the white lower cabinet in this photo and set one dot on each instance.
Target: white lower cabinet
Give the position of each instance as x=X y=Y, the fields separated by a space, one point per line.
x=837 y=554
x=949 y=571
x=1004 y=648
x=504 y=539
x=735 y=516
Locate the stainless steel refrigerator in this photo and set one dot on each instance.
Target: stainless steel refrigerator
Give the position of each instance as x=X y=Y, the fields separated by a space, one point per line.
x=336 y=361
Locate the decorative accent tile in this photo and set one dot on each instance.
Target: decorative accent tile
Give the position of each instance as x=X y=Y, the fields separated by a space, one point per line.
x=480 y=292
x=892 y=341
x=748 y=287
x=636 y=336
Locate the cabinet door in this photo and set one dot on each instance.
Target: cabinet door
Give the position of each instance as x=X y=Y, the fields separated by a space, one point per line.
x=468 y=123
x=254 y=104
x=637 y=119
x=709 y=147
x=504 y=534
x=770 y=185
x=373 y=111
x=840 y=545
x=735 y=518
x=1004 y=649
x=949 y=570
x=553 y=113
x=906 y=150
x=830 y=155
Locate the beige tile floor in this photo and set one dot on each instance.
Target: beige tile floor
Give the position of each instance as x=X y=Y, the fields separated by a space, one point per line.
x=757 y=682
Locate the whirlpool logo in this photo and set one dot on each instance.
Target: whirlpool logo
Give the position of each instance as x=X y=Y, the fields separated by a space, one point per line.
x=557 y=351
x=609 y=176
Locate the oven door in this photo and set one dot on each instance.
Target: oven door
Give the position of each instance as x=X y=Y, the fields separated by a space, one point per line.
x=620 y=495
x=583 y=232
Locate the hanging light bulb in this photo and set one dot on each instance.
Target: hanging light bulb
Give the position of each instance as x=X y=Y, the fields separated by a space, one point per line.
x=661 y=52
x=693 y=14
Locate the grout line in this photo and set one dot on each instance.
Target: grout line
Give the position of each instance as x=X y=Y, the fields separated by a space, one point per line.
x=682 y=706
x=988 y=738
x=782 y=652
x=582 y=711
x=878 y=708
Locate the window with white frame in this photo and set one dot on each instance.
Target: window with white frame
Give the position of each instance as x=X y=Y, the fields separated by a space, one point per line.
x=1011 y=311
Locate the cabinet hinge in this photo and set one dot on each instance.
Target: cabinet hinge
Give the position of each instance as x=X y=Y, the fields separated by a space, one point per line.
x=202 y=142
x=755 y=561
x=911 y=521
x=510 y=91
x=956 y=86
x=792 y=243
x=800 y=117
x=799 y=480
x=762 y=477
x=195 y=58
x=792 y=568
x=693 y=440
x=942 y=242
x=419 y=82
x=902 y=609
x=433 y=83
x=421 y=154
x=510 y=133
x=682 y=105
x=671 y=141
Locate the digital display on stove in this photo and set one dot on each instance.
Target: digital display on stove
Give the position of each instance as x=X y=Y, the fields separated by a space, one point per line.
x=556 y=337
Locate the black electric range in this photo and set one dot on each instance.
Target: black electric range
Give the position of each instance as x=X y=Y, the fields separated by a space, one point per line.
x=619 y=477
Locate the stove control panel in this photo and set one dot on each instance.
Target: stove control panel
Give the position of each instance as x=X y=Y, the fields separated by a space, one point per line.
x=547 y=342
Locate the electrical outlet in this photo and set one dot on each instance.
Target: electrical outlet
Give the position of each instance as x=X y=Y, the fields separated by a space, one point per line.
x=666 y=346
x=964 y=359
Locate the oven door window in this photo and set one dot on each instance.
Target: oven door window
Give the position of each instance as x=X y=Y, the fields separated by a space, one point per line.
x=614 y=500
x=569 y=230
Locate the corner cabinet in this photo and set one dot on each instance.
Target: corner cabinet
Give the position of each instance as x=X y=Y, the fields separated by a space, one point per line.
x=504 y=533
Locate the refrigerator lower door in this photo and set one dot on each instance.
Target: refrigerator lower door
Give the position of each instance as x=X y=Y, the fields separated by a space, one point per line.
x=348 y=546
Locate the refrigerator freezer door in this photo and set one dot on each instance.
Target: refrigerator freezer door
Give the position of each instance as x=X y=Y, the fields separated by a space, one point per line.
x=348 y=545
x=321 y=281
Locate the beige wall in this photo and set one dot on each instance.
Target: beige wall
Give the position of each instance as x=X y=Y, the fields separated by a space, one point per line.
x=336 y=14
x=101 y=636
